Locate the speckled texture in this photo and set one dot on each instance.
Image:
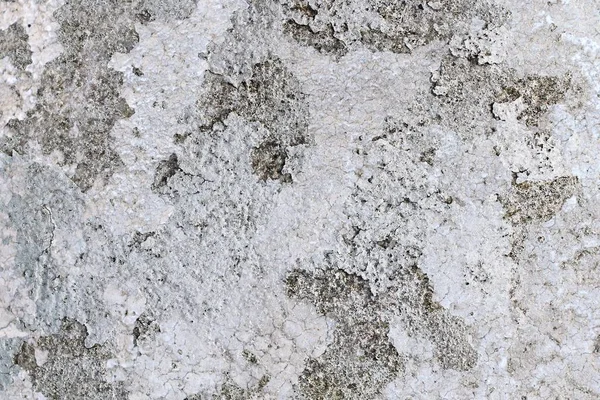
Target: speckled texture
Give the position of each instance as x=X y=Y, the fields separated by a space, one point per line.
x=299 y=199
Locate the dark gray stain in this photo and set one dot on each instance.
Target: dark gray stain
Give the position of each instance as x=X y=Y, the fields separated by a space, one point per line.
x=461 y=84
x=138 y=239
x=231 y=391
x=137 y=71
x=268 y=160
x=323 y=41
x=362 y=360
x=423 y=317
x=14 y=44
x=415 y=23
x=71 y=371
x=272 y=97
x=145 y=327
x=385 y=249
x=163 y=10
x=538 y=93
x=596 y=345
x=329 y=25
x=78 y=98
x=535 y=202
x=165 y=170
x=250 y=357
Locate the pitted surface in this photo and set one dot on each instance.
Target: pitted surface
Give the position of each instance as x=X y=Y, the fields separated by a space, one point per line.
x=299 y=199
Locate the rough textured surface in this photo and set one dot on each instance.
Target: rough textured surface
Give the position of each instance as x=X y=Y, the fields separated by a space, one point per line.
x=299 y=199
x=61 y=367
x=397 y=26
x=360 y=360
x=14 y=45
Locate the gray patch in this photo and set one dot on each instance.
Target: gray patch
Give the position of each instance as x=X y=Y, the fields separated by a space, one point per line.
x=90 y=37
x=138 y=239
x=331 y=25
x=534 y=202
x=231 y=391
x=596 y=345
x=145 y=328
x=538 y=93
x=165 y=170
x=14 y=44
x=361 y=360
x=412 y=294
x=250 y=357
x=428 y=156
x=325 y=42
x=76 y=110
x=272 y=97
x=268 y=160
x=413 y=23
x=401 y=201
x=137 y=71
x=151 y=10
x=71 y=371
x=245 y=43
x=78 y=99
x=460 y=84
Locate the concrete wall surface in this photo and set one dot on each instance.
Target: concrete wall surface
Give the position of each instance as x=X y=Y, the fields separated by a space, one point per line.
x=299 y=199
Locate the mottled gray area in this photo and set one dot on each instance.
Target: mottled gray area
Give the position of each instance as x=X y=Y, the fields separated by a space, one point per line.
x=14 y=45
x=78 y=99
x=271 y=96
x=144 y=329
x=324 y=41
x=71 y=370
x=460 y=84
x=538 y=201
x=398 y=26
x=152 y=10
x=50 y=203
x=231 y=391
x=361 y=359
x=539 y=93
x=299 y=199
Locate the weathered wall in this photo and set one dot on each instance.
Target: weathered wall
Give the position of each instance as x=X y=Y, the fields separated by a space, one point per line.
x=299 y=199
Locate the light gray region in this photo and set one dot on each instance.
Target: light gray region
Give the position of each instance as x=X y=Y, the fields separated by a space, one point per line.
x=299 y=199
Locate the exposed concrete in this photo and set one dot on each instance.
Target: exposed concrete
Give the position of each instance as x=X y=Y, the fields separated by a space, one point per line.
x=299 y=199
